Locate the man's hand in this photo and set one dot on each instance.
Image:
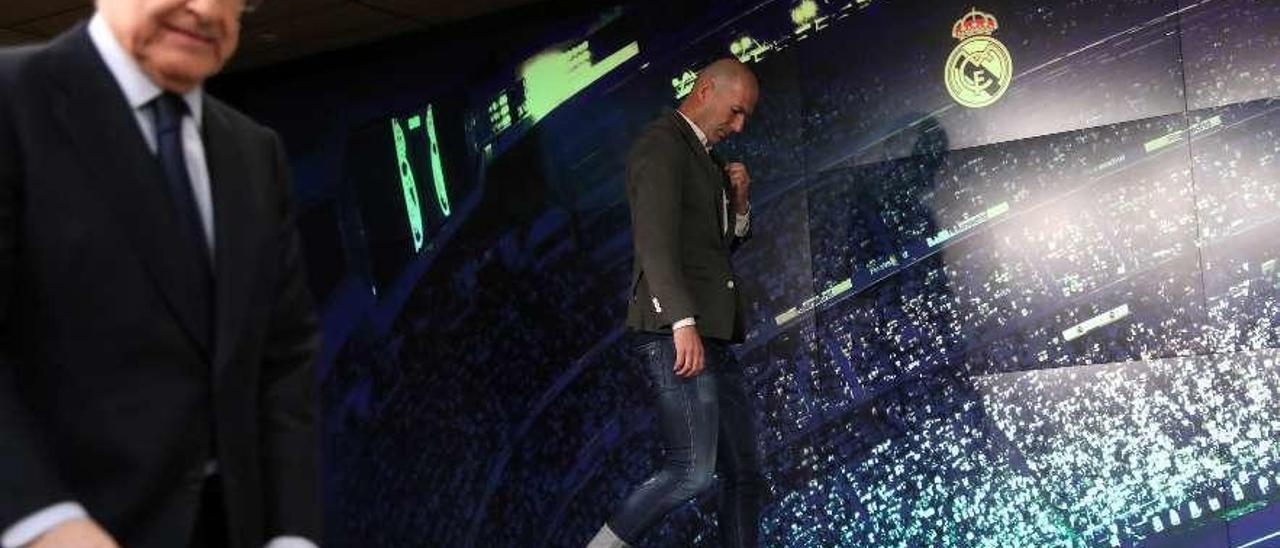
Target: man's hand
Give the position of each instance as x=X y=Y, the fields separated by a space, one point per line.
x=75 y=533
x=740 y=185
x=689 y=354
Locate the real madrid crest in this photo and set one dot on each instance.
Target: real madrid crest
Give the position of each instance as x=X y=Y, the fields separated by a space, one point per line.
x=980 y=69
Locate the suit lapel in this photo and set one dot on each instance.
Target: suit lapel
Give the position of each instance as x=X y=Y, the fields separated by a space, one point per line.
x=712 y=177
x=235 y=218
x=722 y=188
x=120 y=168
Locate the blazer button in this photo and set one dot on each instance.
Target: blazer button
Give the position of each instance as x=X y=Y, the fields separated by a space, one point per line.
x=729 y=284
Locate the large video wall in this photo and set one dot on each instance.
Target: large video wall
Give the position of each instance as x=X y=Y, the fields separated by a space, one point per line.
x=1014 y=279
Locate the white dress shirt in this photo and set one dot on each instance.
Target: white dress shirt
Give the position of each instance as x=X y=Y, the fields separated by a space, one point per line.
x=139 y=91
x=741 y=222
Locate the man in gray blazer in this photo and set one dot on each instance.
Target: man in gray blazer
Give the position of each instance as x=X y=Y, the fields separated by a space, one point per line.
x=688 y=213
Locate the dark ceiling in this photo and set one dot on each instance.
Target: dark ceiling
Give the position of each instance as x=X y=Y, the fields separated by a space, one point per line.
x=278 y=31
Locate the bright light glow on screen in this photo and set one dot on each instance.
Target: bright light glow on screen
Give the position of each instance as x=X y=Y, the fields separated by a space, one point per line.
x=500 y=113
x=806 y=18
x=684 y=83
x=969 y=223
x=814 y=302
x=1106 y=318
x=552 y=77
x=437 y=166
x=749 y=50
x=412 y=208
x=804 y=13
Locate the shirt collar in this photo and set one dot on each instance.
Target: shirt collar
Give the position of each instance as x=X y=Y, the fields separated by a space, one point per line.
x=137 y=86
x=702 y=137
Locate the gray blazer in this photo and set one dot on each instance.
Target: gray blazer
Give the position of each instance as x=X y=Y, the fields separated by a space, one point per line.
x=681 y=266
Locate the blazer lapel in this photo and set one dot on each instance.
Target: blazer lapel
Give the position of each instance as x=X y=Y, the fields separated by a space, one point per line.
x=236 y=226
x=713 y=174
x=722 y=189
x=120 y=168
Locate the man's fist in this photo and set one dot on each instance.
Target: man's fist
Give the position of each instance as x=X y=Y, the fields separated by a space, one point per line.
x=690 y=356
x=740 y=185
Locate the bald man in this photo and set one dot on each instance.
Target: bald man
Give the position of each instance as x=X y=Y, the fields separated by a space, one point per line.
x=157 y=337
x=689 y=210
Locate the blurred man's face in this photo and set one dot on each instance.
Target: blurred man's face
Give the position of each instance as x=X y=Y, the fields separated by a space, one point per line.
x=178 y=43
x=727 y=105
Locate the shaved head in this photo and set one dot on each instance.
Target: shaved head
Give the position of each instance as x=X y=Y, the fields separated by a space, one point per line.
x=725 y=71
x=723 y=98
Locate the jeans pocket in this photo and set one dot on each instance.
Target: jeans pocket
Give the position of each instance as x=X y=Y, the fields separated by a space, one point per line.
x=657 y=357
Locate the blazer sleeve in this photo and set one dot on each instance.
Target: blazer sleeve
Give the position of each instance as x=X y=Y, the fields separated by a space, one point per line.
x=654 y=184
x=28 y=476
x=289 y=412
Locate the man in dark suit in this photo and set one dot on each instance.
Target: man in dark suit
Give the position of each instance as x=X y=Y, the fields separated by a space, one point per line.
x=156 y=334
x=688 y=212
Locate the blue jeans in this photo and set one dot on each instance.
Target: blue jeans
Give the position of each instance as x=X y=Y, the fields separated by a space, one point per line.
x=707 y=427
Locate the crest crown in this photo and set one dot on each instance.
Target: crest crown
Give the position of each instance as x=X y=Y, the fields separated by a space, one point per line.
x=975 y=23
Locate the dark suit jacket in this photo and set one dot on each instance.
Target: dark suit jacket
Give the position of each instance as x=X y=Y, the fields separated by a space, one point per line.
x=681 y=267
x=120 y=374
